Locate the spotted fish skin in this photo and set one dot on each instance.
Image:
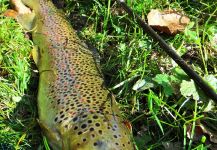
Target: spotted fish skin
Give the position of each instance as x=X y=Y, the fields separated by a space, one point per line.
x=76 y=111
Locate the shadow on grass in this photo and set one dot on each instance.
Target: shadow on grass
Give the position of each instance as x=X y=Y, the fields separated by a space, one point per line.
x=22 y=122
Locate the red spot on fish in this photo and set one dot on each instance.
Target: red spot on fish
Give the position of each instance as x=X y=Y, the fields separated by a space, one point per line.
x=72 y=72
x=63 y=66
x=77 y=86
x=50 y=47
x=72 y=113
x=58 y=38
x=92 y=110
x=83 y=100
x=45 y=33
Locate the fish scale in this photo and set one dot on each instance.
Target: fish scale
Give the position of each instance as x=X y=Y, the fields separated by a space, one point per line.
x=76 y=110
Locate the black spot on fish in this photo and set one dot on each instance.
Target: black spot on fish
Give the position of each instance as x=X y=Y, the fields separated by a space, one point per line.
x=75 y=119
x=56 y=119
x=83 y=126
x=76 y=127
x=97 y=124
x=95 y=117
x=99 y=144
x=91 y=129
x=100 y=131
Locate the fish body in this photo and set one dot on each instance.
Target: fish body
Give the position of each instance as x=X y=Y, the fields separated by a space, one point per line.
x=76 y=110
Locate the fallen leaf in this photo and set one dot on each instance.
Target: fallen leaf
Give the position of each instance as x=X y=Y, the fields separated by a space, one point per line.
x=188 y=89
x=143 y=84
x=10 y=13
x=18 y=8
x=167 y=21
x=210 y=106
x=200 y=131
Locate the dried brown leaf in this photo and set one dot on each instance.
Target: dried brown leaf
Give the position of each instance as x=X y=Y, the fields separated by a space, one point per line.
x=167 y=21
x=201 y=130
x=10 y=13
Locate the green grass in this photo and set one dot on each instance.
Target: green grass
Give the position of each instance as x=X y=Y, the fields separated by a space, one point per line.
x=144 y=79
x=18 y=125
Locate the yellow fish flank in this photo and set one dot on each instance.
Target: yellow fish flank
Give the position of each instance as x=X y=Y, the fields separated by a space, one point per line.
x=76 y=111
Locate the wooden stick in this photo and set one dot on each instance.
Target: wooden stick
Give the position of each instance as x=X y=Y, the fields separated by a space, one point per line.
x=189 y=71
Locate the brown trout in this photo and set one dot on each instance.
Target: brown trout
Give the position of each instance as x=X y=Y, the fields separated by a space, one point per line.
x=76 y=111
